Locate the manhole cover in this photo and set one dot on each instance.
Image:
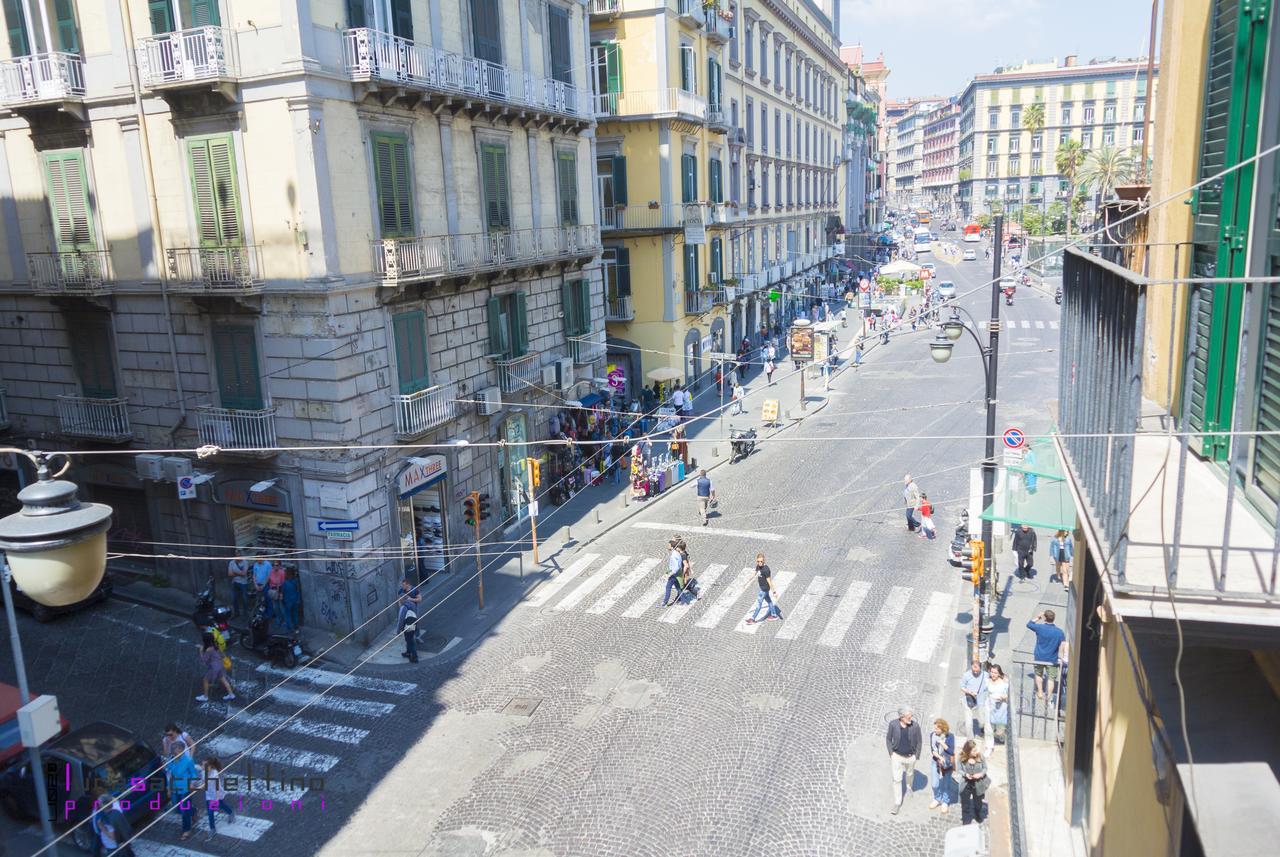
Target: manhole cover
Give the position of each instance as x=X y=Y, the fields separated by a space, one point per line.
x=522 y=706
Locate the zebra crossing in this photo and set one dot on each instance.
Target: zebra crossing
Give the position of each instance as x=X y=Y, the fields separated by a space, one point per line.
x=1025 y=324
x=820 y=610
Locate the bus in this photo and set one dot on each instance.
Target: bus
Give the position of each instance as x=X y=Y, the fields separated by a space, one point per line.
x=922 y=241
x=972 y=233
x=922 y=216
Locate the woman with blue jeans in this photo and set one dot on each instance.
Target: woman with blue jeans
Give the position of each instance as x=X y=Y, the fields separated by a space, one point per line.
x=942 y=744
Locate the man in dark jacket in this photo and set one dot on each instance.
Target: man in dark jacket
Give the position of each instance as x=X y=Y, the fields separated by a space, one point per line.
x=1024 y=545
x=903 y=742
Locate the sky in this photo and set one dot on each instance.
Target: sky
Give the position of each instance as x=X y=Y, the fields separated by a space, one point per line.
x=934 y=47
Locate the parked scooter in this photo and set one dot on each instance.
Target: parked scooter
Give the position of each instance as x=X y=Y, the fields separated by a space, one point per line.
x=283 y=647
x=211 y=617
x=1057 y=296
x=742 y=442
x=955 y=555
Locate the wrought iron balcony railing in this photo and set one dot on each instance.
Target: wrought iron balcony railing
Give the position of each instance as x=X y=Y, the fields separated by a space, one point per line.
x=618 y=308
x=81 y=272
x=96 y=419
x=588 y=348
x=233 y=428
x=36 y=78
x=518 y=373
x=431 y=256
x=671 y=101
x=419 y=412
x=188 y=56
x=230 y=268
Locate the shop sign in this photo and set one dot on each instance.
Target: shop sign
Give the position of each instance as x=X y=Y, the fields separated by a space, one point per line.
x=421 y=474
x=237 y=493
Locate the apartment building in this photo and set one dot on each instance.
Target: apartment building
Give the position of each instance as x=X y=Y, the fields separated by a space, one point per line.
x=861 y=204
x=718 y=148
x=940 y=151
x=261 y=228
x=1011 y=161
x=875 y=73
x=906 y=150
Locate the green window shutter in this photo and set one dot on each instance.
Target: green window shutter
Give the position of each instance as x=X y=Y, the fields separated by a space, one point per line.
x=569 y=304
x=68 y=37
x=691 y=267
x=497 y=331
x=410 y=330
x=393 y=178
x=486 y=31
x=402 y=19
x=558 y=42
x=619 y=180
x=93 y=356
x=613 y=66
x=494 y=181
x=583 y=290
x=235 y=356
x=215 y=193
x=355 y=13
x=68 y=190
x=519 y=325
x=567 y=187
x=716 y=176
x=623 y=257
x=16 y=22
x=1265 y=467
x=715 y=258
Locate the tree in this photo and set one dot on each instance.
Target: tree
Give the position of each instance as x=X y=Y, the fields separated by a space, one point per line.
x=1105 y=168
x=1033 y=118
x=1069 y=160
x=1057 y=217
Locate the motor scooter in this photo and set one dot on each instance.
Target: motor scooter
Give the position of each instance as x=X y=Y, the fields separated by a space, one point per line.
x=283 y=647
x=955 y=555
x=742 y=442
x=1057 y=296
x=1008 y=297
x=211 y=617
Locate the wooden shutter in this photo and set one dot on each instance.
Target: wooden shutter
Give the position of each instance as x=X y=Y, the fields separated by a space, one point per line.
x=688 y=178
x=567 y=187
x=716 y=175
x=215 y=193
x=17 y=24
x=93 y=356
x=402 y=19
x=713 y=84
x=717 y=250
x=493 y=168
x=570 y=307
x=619 y=180
x=1265 y=467
x=690 y=267
x=622 y=257
x=558 y=41
x=68 y=190
x=486 y=30
x=235 y=355
x=64 y=15
x=410 y=330
x=204 y=13
x=356 y=16
x=613 y=66
x=519 y=325
x=497 y=339
x=582 y=291
x=393 y=177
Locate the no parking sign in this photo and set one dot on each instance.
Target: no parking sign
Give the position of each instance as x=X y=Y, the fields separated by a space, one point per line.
x=1014 y=438
x=186 y=488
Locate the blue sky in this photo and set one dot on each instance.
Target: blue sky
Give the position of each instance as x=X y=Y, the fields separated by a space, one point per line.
x=933 y=47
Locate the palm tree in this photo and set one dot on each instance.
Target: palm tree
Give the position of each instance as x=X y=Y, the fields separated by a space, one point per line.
x=1069 y=159
x=1107 y=167
x=1033 y=121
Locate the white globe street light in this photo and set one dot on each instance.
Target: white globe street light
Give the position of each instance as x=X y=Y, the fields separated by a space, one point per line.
x=940 y=348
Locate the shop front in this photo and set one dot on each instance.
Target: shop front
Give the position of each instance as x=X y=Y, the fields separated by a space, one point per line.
x=515 y=493
x=261 y=521
x=421 y=503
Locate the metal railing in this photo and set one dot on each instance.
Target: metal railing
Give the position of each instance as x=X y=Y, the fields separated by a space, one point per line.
x=517 y=373
x=371 y=55
x=651 y=102
x=232 y=428
x=587 y=348
x=41 y=77
x=98 y=419
x=604 y=7
x=201 y=53
x=716 y=119
x=423 y=410
x=618 y=308
x=77 y=272
x=698 y=301
x=690 y=11
x=669 y=215
x=232 y=268
x=717 y=27
x=424 y=257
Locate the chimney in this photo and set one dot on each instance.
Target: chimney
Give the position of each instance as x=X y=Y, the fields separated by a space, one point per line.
x=1070 y=60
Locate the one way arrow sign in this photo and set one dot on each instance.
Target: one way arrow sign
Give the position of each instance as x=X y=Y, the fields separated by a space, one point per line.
x=334 y=526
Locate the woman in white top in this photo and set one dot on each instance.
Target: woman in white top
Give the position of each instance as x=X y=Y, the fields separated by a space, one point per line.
x=997 y=704
x=215 y=796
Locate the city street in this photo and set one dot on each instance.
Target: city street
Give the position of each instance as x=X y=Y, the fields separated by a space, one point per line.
x=588 y=720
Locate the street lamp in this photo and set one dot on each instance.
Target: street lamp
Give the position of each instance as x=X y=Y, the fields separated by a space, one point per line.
x=941 y=347
x=56 y=549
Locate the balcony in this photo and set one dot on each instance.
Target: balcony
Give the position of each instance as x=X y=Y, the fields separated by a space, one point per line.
x=587 y=349
x=698 y=301
x=402 y=70
x=43 y=80
x=717 y=121
x=4 y=409
x=95 y=419
x=690 y=12
x=215 y=270
x=234 y=429
x=419 y=412
x=78 y=273
x=651 y=104
x=618 y=308
x=722 y=295
x=604 y=8
x=717 y=27
x=402 y=260
x=205 y=57
x=722 y=213
x=651 y=218
x=517 y=373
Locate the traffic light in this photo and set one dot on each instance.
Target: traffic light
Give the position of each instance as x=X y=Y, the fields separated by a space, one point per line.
x=471 y=509
x=974 y=560
x=535 y=472
x=482 y=506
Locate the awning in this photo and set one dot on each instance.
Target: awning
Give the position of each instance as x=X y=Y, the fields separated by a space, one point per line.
x=590 y=400
x=1033 y=491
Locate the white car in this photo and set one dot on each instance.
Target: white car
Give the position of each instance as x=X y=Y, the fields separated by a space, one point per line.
x=946 y=290
x=970 y=255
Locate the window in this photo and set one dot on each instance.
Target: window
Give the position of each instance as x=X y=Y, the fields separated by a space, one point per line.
x=715 y=270
x=495 y=186
x=65 y=34
x=1139 y=111
x=789 y=147
x=751 y=123
x=410 y=332
x=777 y=67
x=688 y=178
x=559 y=51
x=1037 y=142
x=486 y=30
x=733 y=40
x=716 y=178
x=1086 y=139
x=1063 y=137
x=748 y=45
x=777 y=131
x=68 y=190
x=1015 y=164
x=606 y=60
x=235 y=357
x=567 y=186
x=991 y=145
x=764 y=54
x=1035 y=164
x=359 y=14
x=691 y=267
x=1088 y=114
x=1035 y=190
x=733 y=113
x=735 y=179
x=713 y=84
x=1108 y=136
x=508 y=328
x=992 y=190
x=214 y=192
x=993 y=167
x=764 y=127
x=93 y=356
x=1111 y=87
x=1109 y=112
x=1015 y=118
x=993 y=119
x=1066 y=114
x=617 y=273
x=787 y=76
x=688 y=68
x=611 y=175
x=1015 y=143
x=1138 y=134
x=393 y=180
x=575 y=300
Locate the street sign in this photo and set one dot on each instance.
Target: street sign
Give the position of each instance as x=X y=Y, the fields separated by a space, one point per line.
x=769 y=411
x=186 y=488
x=338 y=526
x=723 y=356
x=1014 y=438
x=339 y=535
x=533 y=509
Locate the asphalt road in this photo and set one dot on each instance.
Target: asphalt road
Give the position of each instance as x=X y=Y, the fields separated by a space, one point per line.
x=590 y=721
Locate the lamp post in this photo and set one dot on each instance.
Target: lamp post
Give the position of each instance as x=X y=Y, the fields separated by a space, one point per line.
x=56 y=551
x=940 y=349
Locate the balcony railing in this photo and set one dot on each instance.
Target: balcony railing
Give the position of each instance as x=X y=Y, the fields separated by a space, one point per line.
x=97 y=419
x=698 y=301
x=215 y=269
x=41 y=77
x=604 y=7
x=518 y=373
x=690 y=12
x=375 y=56
x=80 y=272
x=188 y=56
x=618 y=308
x=717 y=120
x=231 y=428
x=4 y=408
x=671 y=101
x=587 y=349
x=421 y=411
x=717 y=27
x=428 y=257
x=665 y=216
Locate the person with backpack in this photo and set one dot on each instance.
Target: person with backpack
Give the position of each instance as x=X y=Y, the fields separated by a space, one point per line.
x=408 y=619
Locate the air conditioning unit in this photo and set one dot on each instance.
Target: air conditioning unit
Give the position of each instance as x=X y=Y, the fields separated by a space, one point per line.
x=176 y=466
x=550 y=376
x=150 y=466
x=490 y=401
x=564 y=373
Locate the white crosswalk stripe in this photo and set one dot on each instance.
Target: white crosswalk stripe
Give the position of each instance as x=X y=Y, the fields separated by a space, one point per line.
x=592 y=583
x=229 y=746
x=552 y=585
x=794 y=623
x=846 y=610
x=143 y=848
x=362 y=707
x=781 y=580
x=724 y=601
x=1026 y=325
x=299 y=726
x=1053 y=325
x=887 y=619
x=647 y=600
x=704 y=578
x=1039 y=325
x=933 y=622
x=623 y=586
x=327 y=678
x=245 y=828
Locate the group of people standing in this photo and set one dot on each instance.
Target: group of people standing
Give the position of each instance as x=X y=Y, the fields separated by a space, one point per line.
x=266 y=579
x=905 y=743
x=919 y=510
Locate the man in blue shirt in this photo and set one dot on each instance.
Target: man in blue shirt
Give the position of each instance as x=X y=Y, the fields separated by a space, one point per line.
x=705 y=495
x=1049 y=640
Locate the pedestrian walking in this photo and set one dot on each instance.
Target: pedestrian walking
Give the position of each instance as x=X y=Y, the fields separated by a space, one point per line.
x=911 y=497
x=973 y=773
x=1024 y=545
x=769 y=369
x=1061 y=552
x=407 y=622
x=111 y=828
x=687 y=581
x=175 y=737
x=766 y=595
x=677 y=399
x=183 y=777
x=215 y=795
x=973 y=696
x=942 y=746
x=771 y=353
x=927 y=529
x=738 y=395
x=857 y=355
x=675 y=565
x=997 y=705
x=216 y=665
x=238 y=571
x=686 y=412
x=1049 y=639
x=903 y=742
x=706 y=495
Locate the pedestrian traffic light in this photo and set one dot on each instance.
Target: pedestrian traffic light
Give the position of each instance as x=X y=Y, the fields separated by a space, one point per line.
x=535 y=472
x=974 y=560
x=482 y=506
x=471 y=509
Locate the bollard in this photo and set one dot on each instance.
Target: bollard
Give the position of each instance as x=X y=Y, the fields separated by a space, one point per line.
x=597 y=516
x=715 y=451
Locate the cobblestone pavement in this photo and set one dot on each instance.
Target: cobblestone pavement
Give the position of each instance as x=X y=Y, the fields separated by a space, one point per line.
x=589 y=721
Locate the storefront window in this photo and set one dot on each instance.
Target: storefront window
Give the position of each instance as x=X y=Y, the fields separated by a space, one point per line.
x=259 y=519
x=423 y=525
x=515 y=431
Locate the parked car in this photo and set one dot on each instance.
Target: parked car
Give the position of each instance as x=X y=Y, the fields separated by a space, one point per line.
x=98 y=755
x=946 y=290
x=44 y=613
x=10 y=740
x=970 y=255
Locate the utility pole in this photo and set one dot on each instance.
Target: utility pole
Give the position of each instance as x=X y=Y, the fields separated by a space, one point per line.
x=533 y=478
x=989 y=459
